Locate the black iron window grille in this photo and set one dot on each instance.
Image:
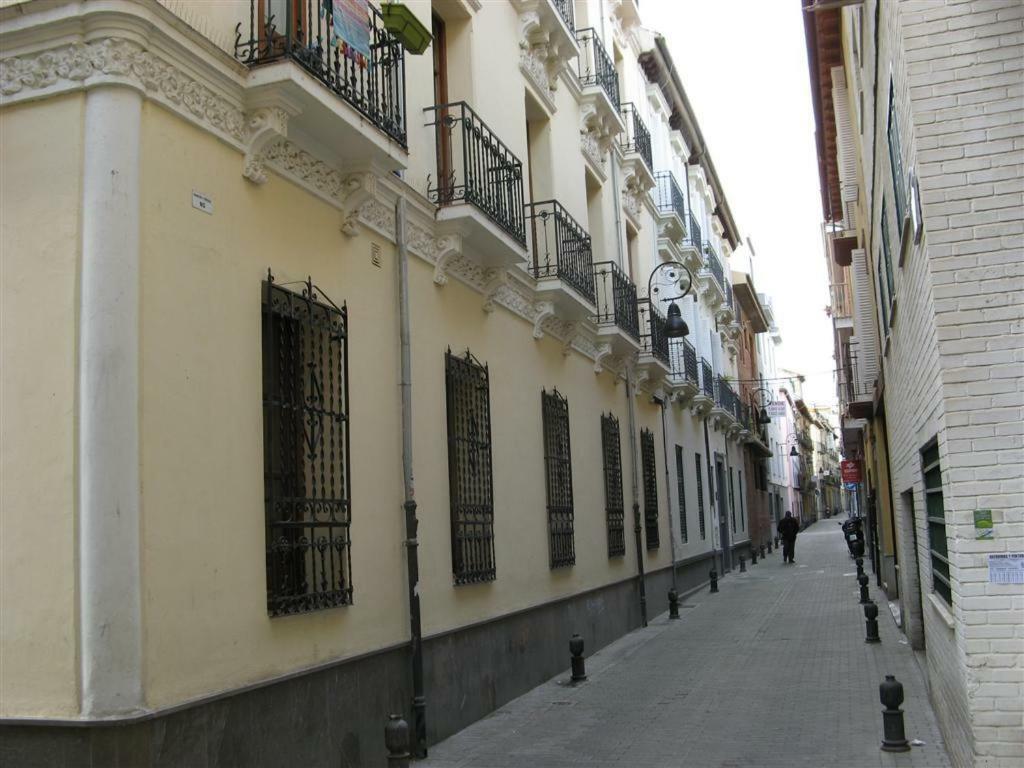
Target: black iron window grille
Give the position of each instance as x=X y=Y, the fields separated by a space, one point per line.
x=732 y=501
x=596 y=66
x=616 y=298
x=681 y=490
x=565 y=10
x=707 y=379
x=474 y=166
x=700 y=499
x=561 y=247
x=470 y=478
x=693 y=233
x=636 y=138
x=558 y=471
x=304 y=32
x=306 y=479
x=670 y=197
x=935 y=511
x=713 y=264
x=613 y=501
x=739 y=487
x=650 y=489
x=652 y=331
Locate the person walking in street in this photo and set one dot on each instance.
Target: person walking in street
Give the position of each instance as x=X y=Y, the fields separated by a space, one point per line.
x=788 y=528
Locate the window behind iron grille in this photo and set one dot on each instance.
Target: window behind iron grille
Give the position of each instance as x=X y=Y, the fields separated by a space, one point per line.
x=470 y=481
x=732 y=501
x=650 y=489
x=306 y=485
x=739 y=485
x=700 y=498
x=558 y=470
x=936 y=515
x=681 y=488
x=613 y=503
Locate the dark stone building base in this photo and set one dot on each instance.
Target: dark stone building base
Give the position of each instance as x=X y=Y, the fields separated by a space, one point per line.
x=335 y=715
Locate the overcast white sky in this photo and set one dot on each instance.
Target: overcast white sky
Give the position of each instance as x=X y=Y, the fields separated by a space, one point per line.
x=744 y=66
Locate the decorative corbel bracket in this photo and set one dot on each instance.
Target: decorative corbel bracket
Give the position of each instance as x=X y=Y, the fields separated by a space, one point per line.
x=263 y=127
x=449 y=248
x=357 y=189
x=604 y=351
x=545 y=309
x=572 y=332
x=639 y=379
x=496 y=280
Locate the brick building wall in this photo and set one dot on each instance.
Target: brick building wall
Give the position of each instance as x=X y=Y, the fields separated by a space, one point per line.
x=953 y=359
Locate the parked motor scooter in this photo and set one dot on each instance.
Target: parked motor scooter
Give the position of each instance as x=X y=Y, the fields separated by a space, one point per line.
x=853 y=532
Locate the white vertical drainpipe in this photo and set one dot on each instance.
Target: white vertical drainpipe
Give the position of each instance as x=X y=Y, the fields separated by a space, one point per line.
x=108 y=408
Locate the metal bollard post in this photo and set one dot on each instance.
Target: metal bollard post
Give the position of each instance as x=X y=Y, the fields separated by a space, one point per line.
x=762 y=551
x=871 y=623
x=673 y=604
x=714 y=580
x=769 y=546
x=743 y=564
x=894 y=737
x=776 y=542
x=579 y=666
x=396 y=739
x=863 y=580
x=860 y=567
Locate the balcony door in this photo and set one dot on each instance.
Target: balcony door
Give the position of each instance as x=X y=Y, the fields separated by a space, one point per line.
x=445 y=173
x=723 y=520
x=279 y=19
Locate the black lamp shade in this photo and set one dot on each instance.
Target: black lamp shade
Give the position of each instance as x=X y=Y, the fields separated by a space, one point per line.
x=675 y=326
x=792 y=451
x=763 y=417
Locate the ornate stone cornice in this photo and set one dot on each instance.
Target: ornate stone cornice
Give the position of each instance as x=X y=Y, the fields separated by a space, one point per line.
x=79 y=66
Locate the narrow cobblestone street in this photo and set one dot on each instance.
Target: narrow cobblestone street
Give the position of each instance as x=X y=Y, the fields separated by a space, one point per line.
x=772 y=671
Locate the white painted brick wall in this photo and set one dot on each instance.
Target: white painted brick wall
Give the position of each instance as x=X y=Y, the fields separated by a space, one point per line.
x=954 y=367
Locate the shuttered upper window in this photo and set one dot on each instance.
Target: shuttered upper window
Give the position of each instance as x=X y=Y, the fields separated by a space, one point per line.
x=896 y=161
x=681 y=490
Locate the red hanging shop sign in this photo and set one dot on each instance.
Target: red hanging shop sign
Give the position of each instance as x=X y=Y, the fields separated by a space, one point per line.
x=850 y=471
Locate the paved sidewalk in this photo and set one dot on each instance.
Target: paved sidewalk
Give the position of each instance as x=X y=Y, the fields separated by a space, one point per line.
x=773 y=671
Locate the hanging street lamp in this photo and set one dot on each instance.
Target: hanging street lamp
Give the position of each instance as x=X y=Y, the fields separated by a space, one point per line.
x=675 y=326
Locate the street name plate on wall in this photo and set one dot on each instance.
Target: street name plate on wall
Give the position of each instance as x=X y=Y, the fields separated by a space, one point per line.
x=983 y=523
x=202 y=203
x=1006 y=569
x=777 y=409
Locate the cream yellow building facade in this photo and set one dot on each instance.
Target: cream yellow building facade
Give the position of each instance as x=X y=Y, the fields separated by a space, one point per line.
x=170 y=170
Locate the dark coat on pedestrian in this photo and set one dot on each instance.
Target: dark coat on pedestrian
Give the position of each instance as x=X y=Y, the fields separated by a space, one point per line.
x=788 y=527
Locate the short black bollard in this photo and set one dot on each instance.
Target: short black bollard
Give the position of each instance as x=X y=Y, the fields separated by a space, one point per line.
x=894 y=738
x=673 y=604
x=714 y=580
x=769 y=546
x=579 y=666
x=743 y=564
x=762 y=551
x=860 y=567
x=863 y=580
x=396 y=739
x=776 y=542
x=753 y=556
x=871 y=623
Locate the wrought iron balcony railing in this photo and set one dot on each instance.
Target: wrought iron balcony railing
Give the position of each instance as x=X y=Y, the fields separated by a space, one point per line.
x=714 y=265
x=637 y=138
x=707 y=379
x=374 y=85
x=669 y=196
x=616 y=298
x=596 y=66
x=652 y=331
x=565 y=10
x=474 y=166
x=693 y=233
x=684 y=360
x=560 y=247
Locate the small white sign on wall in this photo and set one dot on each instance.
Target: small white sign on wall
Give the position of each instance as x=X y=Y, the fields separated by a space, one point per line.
x=202 y=203
x=1006 y=569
